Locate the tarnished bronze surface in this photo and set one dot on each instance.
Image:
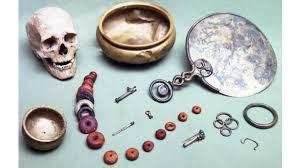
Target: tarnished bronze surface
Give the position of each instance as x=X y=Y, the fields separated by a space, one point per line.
x=136 y=32
x=242 y=58
x=43 y=128
x=228 y=53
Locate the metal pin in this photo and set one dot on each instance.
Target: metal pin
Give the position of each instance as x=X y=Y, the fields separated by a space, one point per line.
x=149 y=115
x=126 y=94
x=192 y=137
x=124 y=128
x=197 y=137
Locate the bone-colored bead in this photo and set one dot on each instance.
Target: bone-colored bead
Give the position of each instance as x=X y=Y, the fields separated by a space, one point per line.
x=81 y=103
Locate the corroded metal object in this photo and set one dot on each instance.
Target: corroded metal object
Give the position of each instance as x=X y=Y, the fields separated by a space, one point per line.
x=149 y=114
x=128 y=92
x=243 y=142
x=229 y=54
x=225 y=124
x=124 y=128
x=136 y=32
x=43 y=128
x=197 y=137
x=260 y=125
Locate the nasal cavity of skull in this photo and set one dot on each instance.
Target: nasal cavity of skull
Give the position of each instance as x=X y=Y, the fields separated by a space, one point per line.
x=70 y=37
x=49 y=43
x=63 y=50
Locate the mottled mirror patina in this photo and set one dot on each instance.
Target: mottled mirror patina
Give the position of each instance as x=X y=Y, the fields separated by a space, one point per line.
x=242 y=59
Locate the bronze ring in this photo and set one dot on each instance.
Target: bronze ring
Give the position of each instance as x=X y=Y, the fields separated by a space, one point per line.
x=260 y=125
x=221 y=123
x=223 y=113
x=225 y=129
x=228 y=122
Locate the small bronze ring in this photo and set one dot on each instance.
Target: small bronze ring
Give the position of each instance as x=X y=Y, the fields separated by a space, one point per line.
x=221 y=122
x=228 y=122
x=260 y=125
x=223 y=113
x=223 y=130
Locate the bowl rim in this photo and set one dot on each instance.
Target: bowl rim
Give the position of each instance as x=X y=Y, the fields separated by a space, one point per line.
x=44 y=140
x=136 y=4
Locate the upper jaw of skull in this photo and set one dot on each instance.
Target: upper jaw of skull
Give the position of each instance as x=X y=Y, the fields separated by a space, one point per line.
x=59 y=56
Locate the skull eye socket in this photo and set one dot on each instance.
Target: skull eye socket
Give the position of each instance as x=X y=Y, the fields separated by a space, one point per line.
x=70 y=37
x=50 y=42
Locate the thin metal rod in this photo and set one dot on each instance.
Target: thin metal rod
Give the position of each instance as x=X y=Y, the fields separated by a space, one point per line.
x=123 y=128
x=192 y=137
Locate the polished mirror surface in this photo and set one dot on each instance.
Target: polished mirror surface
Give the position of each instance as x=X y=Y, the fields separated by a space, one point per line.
x=242 y=58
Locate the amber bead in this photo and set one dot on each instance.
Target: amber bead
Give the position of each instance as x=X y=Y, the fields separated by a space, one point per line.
x=196 y=109
x=110 y=157
x=132 y=154
x=95 y=140
x=182 y=117
x=170 y=126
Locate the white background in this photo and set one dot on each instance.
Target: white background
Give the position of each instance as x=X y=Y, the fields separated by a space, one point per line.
x=291 y=84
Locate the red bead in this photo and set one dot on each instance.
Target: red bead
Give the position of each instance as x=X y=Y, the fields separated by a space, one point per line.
x=84 y=95
x=82 y=90
x=88 y=82
x=196 y=109
x=93 y=73
x=86 y=88
x=95 y=140
x=79 y=91
x=132 y=154
x=110 y=157
x=170 y=126
x=148 y=146
x=87 y=124
x=90 y=77
x=160 y=134
x=182 y=117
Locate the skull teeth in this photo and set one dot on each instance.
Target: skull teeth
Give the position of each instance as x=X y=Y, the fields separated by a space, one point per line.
x=63 y=65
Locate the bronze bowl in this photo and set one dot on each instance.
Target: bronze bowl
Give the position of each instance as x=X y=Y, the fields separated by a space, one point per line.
x=136 y=32
x=43 y=128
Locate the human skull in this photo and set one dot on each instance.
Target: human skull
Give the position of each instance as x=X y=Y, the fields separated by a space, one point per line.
x=52 y=37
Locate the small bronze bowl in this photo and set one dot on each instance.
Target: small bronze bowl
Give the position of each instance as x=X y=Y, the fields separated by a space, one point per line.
x=43 y=128
x=136 y=32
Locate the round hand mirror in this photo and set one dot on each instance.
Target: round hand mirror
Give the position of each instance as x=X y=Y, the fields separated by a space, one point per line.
x=228 y=53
